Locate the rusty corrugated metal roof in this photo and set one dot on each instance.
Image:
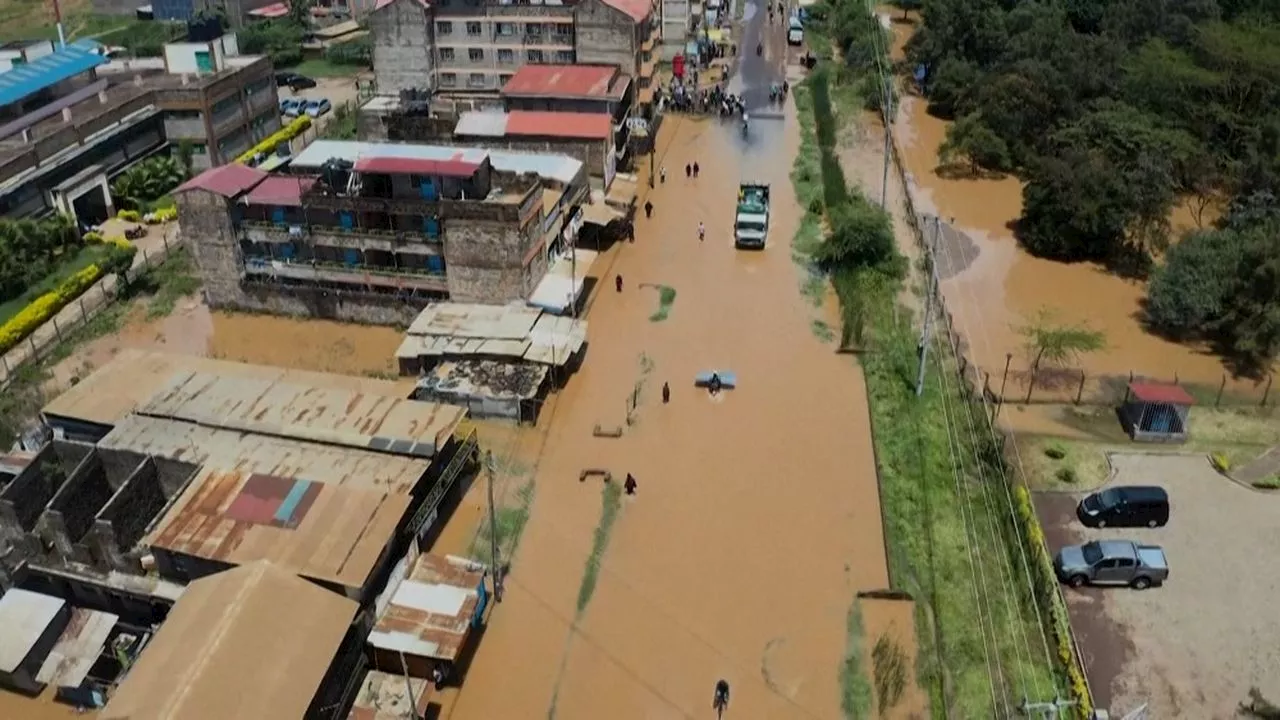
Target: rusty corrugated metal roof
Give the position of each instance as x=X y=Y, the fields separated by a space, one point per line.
x=251 y=642
x=338 y=417
x=431 y=612
x=334 y=533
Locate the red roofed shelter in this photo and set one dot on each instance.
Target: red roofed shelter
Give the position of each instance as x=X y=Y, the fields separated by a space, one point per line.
x=1156 y=412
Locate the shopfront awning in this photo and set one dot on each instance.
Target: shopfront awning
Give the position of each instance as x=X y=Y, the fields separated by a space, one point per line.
x=564 y=281
x=601 y=214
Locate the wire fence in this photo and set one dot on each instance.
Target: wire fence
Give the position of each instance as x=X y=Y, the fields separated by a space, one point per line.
x=975 y=384
x=1021 y=383
x=43 y=341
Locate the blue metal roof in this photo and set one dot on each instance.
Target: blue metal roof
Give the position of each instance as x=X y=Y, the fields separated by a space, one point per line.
x=24 y=80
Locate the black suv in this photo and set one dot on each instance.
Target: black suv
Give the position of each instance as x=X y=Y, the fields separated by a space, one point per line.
x=294 y=81
x=1125 y=506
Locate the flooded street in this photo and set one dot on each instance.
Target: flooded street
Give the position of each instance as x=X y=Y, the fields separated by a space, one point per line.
x=757 y=516
x=998 y=287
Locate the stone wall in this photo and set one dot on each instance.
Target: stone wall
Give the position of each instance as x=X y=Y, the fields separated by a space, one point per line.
x=402 y=47
x=124 y=519
x=486 y=262
x=204 y=219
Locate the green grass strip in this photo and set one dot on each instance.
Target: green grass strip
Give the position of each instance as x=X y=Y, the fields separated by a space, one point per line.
x=666 y=296
x=611 y=503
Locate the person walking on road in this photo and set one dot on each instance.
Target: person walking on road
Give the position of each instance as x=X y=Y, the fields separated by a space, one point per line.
x=648 y=209
x=662 y=175
x=617 y=282
x=666 y=393
x=702 y=233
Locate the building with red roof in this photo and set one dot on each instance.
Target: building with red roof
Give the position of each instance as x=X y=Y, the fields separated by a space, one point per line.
x=584 y=136
x=372 y=232
x=463 y=50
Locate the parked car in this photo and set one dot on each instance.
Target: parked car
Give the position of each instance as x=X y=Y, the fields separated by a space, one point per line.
x=294 y=81
x=1112 y=562
x=1125 y=506
x=292 y=107
x=316 y=108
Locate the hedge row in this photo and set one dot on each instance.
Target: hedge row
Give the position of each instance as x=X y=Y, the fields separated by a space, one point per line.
x=46 y=306
x=835 y=190
x=1051 y=601
x=269 y=143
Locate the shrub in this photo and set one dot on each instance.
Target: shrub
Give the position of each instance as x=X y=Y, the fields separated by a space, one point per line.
x=284 y=134
x=92 y=238
x=1047 y=594
x=1066 y=475
x=161 y=215
x=44 y=307
x=1220 y=462
x=1055 y=451
x=1271 y=483
x=129 y=215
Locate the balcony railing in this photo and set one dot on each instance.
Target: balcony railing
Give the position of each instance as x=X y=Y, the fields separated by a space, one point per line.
x=336 y=236
x=444 y=209
x=323 y=271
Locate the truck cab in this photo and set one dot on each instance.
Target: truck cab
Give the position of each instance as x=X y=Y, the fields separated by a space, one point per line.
x=751 y=223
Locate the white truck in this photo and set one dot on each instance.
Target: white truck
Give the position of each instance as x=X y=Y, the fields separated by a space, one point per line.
x=751 y=225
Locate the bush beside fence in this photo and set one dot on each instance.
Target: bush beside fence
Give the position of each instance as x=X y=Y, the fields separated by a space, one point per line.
x=46 y=306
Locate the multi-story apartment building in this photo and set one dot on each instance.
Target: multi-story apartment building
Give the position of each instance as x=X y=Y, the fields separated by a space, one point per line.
x=371 y=232
x=71 y=120
x=473 y=47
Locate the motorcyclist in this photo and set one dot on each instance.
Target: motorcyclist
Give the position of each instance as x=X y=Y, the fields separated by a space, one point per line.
x=722 y=694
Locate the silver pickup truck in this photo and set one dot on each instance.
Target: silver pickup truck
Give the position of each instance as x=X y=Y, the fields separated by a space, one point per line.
x=1112 y=562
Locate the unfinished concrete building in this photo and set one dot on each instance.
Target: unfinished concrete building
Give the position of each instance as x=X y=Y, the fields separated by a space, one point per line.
x=372 y=232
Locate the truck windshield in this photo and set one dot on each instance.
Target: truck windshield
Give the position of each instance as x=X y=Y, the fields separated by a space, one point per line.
x=751 y=226
x=1092 y=553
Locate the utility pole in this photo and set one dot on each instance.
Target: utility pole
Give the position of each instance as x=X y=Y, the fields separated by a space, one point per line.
x=928 y=307
x=887 y=109
x=57 y=17
x=1046 y=710
x=413 y=701
x=494 y=560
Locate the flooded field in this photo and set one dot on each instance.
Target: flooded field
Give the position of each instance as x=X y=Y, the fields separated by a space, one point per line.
x=192 y=329
x=756 y=519
x=1000 y=287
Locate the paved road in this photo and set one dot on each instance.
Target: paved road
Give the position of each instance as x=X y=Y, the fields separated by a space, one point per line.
x=755 y=73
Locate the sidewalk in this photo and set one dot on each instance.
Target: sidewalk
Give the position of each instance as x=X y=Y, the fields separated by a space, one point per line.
x=152 y=249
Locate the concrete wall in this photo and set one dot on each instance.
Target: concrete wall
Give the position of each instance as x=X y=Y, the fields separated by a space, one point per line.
x=402 y=47
x=607 y=36
x=123 y=520
x=205 y=219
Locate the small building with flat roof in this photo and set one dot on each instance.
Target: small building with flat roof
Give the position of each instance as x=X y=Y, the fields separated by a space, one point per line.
x=252 y=642
x=430 y=617
x=30 y=625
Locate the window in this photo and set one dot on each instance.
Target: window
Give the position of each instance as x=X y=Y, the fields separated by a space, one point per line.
x=506 y=28
x=533 y=29
x=473 y=28
x=564 y=28
x=475 y=54
x=256 y=87
x=564 y=57
x=225 y=105
x=448 y=79
x=476 y=80
x=446 y=54
x=444 y=28
x=506 y=57
x=535 y=56
x=503 y=78
x=199 y=149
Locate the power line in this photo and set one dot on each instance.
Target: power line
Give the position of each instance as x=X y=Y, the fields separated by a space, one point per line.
x=1016 y=522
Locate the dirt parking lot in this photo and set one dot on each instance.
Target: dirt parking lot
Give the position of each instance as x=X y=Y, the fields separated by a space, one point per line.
x=1194 y=647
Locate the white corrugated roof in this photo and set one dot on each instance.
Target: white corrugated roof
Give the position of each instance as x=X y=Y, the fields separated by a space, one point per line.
x=24 y=615
x=561 y=168
x=482 y=123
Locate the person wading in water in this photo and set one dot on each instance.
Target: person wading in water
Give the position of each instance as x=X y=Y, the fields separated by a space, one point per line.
x=666 y=393
x=648 y=209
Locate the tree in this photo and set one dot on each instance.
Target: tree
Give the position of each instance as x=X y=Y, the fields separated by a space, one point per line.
x=1075 y=207
x=1056 y=343
x=969 y=139
x=1188 y=293
x=185 y=153
x=146 y=182
x=861 y=238
x=119 y=261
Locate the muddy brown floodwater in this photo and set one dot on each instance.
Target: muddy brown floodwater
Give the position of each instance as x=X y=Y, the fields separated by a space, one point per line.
x=1004 y=287
x=757 y=517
